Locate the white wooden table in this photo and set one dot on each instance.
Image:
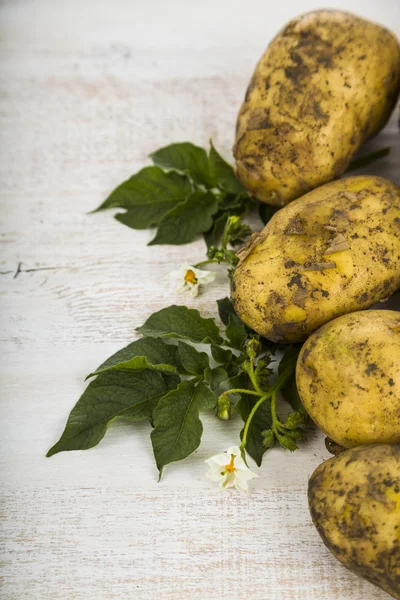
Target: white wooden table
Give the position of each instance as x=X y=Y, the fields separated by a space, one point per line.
x=88 y=89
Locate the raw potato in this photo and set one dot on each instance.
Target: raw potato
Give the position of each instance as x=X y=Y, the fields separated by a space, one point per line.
x=348 y=378
x=327 y=82
x=333 y=251
x=354 y=502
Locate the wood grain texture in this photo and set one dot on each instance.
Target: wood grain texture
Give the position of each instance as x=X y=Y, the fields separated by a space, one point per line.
x=88 y=89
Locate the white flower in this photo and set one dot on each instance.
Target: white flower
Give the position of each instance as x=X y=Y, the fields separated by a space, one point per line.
x=190 y=278
x=230 y=470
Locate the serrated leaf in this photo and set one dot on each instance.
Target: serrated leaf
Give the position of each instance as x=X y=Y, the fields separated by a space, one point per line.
x=156 y=351
x=185 y=221
x=223 y=173
x=116 y=394
x=177 y=426
x=192 y=361
x=185 y=158
x=147 y=196
x=214 y=377
x=138 y=363
x=213 y=236
x=261 y=421
x=266 y=212
x=225 y=309
x=181 y=322
x=236 y=332
x=221 y=355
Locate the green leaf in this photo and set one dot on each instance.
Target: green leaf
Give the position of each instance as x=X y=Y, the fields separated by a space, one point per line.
x=221 y=355
x=192 y=361
x=214 y=377
x=139 y=363
x=181 y=322
x=289 y=358
x=116 y=394
x=225 y=309
x=177 y=426
x=223 y=173
x=213 y=236
x=147 y=196
x=261 y=421
x=182 y=223
x=236 y=332
x=366 y=160
x=266 y=212
x=185 y=158
x=156 y=351
x=291 y=395
x=208 y=399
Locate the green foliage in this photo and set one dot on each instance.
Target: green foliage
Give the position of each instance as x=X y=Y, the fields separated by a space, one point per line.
x=182 y=223
x=181 y=322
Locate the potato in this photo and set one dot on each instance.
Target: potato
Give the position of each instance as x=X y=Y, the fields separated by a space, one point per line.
x=348 y=378
x=333 y=251
x=354 y=501
x=327 y=82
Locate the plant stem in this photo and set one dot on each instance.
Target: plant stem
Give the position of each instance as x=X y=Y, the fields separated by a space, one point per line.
x=249 y=419
x=238 y=391
x=253 y=379
x=271 y=393
x=205 y=262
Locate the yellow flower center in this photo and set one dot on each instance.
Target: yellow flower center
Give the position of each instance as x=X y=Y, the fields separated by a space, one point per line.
x=231 y=466
x=190 y=277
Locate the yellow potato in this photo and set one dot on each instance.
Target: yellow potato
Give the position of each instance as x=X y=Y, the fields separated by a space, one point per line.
x=327 y=82
x=348 y=378
x=354 y=502
x=333 y=251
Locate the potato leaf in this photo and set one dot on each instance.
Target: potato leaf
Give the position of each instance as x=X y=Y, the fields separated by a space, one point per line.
x=138 y=363
x=116 y=394
x=192 y=361
x=147 y=196
x=236 y=332
x=177 y=427
x=214 y=377
x=223 y=173
x=185 y=158
x=213 y=236
x=221 y=355
x=181 y=322
x=156 y=351
x=181 y=224
x=225 y=309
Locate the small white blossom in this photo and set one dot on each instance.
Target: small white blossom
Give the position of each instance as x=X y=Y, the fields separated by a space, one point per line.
x=229 y=470
x=190 y=278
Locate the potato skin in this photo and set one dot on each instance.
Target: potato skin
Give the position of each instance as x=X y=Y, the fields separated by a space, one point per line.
x=335 y=250
x=327 y=82
x=348 y=378
x=354 y=501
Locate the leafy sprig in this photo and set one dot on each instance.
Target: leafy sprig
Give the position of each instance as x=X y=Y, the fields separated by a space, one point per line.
x=186 y=193
x=163 y=378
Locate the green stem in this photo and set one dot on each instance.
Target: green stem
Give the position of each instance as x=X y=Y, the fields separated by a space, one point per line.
x=238 y=391
x=272 y=392
x=253 y=379
x=249 y=419
x=205 y=262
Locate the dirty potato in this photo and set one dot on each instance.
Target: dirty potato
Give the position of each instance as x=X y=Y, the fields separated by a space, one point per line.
x=327 y=82
x=333 y=251
x=348 y=378
x=354 y=502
